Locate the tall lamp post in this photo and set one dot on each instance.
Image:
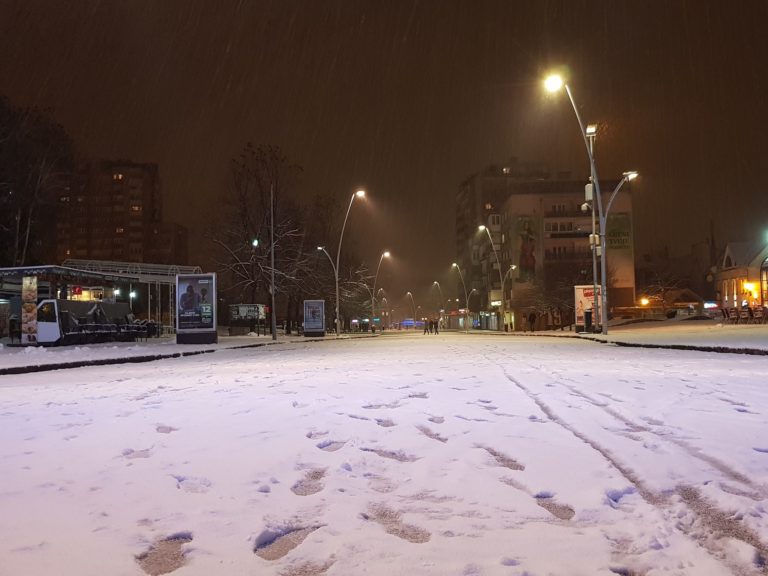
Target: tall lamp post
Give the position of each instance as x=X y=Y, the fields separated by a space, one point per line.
x=442 y=300
x=466 y=299
x=555 y=83
x=384 y=254
x=414 y=308
x=482 y=228
x=358 y=194
x=335 y=272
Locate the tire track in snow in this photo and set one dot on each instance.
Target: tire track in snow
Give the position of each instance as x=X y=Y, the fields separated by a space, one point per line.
x=719 y=524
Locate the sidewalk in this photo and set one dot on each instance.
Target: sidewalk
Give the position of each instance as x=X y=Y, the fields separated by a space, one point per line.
x=23 y=359
x=702 y=335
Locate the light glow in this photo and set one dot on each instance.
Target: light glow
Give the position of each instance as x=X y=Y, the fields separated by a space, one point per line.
x=360 y=193
x=644 y=301
x=553 y=83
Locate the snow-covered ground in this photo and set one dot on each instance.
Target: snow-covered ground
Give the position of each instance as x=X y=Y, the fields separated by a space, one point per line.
x=440 y=455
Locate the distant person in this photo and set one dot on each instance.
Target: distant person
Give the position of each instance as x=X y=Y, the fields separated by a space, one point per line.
x=426 y=327
x=437 y=325
x=532 y=320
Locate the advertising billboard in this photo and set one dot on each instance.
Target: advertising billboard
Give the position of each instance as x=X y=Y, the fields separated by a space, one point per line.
x=584 y=299
x=196 y=307
x=29 y=310
x=314 y=317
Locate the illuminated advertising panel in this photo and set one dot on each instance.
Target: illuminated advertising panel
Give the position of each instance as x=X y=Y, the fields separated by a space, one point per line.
x=29 y=310
x=195 y=306
x=314 y=317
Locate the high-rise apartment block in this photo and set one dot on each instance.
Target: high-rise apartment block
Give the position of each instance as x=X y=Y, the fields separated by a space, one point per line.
x=540 y=227
x=113 y=211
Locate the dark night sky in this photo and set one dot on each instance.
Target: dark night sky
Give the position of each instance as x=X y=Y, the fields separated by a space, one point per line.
x=407 y=98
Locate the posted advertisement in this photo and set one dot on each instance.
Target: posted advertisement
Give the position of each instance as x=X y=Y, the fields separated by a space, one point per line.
x=314 y=317
x=196 y=303
x=584 y=299
x=240 y=312
x=29 y=310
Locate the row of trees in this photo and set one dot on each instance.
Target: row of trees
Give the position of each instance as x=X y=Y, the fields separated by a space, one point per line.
x=36 y=162
x=259 y=176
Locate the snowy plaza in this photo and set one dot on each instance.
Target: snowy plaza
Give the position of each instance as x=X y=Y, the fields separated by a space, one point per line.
x=443 y=455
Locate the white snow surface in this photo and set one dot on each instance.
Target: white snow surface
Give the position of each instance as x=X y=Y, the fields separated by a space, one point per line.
x=504 y=455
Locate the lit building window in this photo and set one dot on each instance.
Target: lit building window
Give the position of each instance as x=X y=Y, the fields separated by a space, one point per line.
x=136 y=208
x=117 y=177
x=119 y=230
x=64 y=199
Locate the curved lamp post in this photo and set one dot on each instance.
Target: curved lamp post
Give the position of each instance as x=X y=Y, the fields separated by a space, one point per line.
x=466 y=299
x=336 y=276
x=414 y=308
x=384 y=254
x=482 y=228
x=440 y=308
x=555 y=83
x=358 y=194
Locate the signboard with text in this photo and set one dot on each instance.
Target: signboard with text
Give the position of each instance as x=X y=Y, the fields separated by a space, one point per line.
x=29 y=310
x=196 y=308
x=314 y=317
x=584 y=299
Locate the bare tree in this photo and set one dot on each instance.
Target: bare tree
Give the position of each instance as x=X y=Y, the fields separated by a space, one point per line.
x=241 y=235
x=36 y=159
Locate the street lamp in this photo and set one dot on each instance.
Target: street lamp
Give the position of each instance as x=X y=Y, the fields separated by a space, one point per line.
x=555 y=83
x=466 y=299
x=358 y=194
x=442 y=300
x=414 y=308
x=384 y=254
x=335 y=273
x=482 y=228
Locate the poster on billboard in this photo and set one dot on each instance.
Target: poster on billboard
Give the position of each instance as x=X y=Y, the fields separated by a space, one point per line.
x=584 y=299
x=240 y=312
x=29 y=310
x=314 y=317
x=527 y=248
x=196 y=308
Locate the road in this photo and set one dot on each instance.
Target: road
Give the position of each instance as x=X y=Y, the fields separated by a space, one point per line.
x=451 y=454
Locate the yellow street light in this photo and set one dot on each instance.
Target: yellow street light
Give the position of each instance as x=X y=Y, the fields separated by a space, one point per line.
x=553 y=82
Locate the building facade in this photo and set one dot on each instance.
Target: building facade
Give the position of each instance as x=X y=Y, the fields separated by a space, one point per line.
x=113 y=211
x=742 y=276
x=541 y=243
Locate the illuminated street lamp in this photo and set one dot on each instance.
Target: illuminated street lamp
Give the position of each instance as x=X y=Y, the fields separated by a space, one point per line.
x=503 y=323
x=414 y=308
x=466 y=299
x=555 y=83
x=442 y=299
x=384 y=254
x=358 y=194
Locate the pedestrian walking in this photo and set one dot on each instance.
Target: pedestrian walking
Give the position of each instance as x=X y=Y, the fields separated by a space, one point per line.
x=426 y=326
x=437 y=324
x=532 y=320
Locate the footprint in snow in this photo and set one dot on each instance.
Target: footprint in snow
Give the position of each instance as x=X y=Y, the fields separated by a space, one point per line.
x=276 y=543
x=330 y=445
x=191 y=484
x=310 y=484
x=130 y=453
x=165 y=555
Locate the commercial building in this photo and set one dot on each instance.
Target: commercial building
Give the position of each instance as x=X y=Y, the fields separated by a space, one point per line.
x=742 y=275
x=540 y=233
